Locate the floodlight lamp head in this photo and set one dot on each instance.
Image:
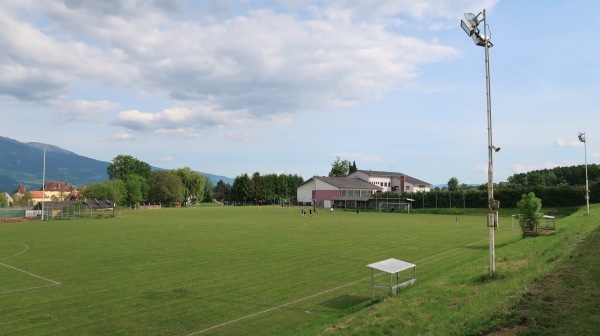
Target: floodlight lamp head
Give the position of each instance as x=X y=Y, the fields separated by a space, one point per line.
x=481 y=40
x=468 y=27
x=496 y=149
x=581 y=137
x=473 y=19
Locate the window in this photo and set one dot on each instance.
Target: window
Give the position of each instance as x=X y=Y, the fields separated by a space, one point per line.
x=344 y=193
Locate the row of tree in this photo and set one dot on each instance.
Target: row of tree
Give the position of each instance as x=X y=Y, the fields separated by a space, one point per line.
x=265 y=189
x=560 y=186
x=133 y=181
x=477 y=197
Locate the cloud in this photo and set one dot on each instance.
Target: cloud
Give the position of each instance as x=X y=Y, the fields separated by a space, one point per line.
x=258 y=65
x=520 y=168
x=165 y=159
x=564 y=143
x=123 y=136
x=180 y=121
x=84 y=110
x=359 y=157
x=378 y=9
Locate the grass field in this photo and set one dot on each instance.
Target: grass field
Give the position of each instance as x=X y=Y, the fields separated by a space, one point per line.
x=263 y=271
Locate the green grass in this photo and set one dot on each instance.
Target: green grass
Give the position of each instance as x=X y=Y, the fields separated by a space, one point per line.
x=566 y=301
x=263 y=271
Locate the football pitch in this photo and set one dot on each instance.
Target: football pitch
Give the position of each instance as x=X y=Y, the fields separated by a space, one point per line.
x=220 y=270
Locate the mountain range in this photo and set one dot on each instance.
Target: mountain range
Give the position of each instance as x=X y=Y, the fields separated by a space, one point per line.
x=23 y=163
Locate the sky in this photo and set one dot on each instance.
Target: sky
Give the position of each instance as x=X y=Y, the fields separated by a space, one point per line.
x=233 y=87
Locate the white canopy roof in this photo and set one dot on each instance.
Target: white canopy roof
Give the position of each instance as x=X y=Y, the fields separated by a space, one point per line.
x=391 y=265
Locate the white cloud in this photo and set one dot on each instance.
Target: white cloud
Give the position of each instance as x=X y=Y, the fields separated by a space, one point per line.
x=84 y=110
x=123 y=136
x=243 y=136
x=564 y=143
x=235 y=70
x=181 y=121
x=360 y=157
x=373 y=10
x=165 y=159
x=520 y=168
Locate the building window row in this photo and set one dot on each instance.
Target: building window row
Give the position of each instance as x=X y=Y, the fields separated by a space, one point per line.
x=353 y=193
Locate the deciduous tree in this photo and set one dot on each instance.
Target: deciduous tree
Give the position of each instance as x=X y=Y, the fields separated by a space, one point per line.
x=123 y=165
x=453 y=184
x=165 y=187
x=339 y=168
x=193 y=183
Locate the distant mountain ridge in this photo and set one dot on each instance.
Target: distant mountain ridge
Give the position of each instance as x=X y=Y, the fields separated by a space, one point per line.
x=22 y=163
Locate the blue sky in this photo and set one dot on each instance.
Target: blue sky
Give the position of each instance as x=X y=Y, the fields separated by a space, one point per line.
x=231 y=87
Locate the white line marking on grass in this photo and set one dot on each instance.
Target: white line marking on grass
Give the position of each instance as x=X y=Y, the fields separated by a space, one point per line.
x=28 y=288
x=14 y=255
x=29 y=273
x=52 y=282
x=315 y=295
x=274 y=308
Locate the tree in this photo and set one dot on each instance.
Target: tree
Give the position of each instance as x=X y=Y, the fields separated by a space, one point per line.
x=136 y=189
x=242 y=190
x=3 y=200
x=222 y=191
x=353 y=167
x=207 y=193
x=165 y=187
x=193 y=183
x=339 y=168
x=529 y=208
x=123 y=165
x=453 y=184
x=256 y=183
x=25 y=199
x=104 y=191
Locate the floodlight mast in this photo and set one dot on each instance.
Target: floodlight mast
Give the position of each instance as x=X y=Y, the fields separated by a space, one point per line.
x=581 y=137
x=469 y=25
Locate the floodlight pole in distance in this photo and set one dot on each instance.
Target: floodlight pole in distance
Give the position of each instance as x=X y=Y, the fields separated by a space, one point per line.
x=113 y=183
x=581 y=137
x=469 y=25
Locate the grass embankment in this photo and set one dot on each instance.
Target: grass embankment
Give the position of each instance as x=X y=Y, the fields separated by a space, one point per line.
x=541 y=286
x=565 y=301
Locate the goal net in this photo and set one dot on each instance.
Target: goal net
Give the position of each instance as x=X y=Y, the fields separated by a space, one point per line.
x=389 y=205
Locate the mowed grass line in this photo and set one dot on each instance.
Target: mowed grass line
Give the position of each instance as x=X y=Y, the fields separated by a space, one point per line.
x=179 y=271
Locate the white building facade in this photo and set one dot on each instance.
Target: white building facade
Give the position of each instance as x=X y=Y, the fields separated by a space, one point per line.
x=391 y=181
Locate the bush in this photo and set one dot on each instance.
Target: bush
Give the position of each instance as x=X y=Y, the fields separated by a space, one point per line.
x=529 y=207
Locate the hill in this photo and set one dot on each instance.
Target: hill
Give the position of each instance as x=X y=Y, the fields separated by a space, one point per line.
x=23 y=163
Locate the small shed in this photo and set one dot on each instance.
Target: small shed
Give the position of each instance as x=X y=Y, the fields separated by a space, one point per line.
x=399 y=269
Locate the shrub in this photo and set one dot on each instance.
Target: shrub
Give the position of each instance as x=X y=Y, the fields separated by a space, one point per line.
x=529 y=207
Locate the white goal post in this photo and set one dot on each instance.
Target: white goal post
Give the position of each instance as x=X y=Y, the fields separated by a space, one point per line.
x=388 y=205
